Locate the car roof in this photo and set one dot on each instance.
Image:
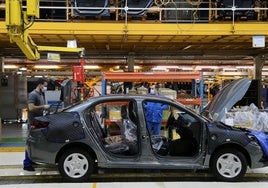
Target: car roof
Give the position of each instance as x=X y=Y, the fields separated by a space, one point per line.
x=84 y=104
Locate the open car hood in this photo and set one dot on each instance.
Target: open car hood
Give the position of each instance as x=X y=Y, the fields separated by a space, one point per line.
x=226 y=98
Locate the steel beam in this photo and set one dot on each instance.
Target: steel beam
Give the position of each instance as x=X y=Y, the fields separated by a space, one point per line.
x=205 y=29
x=151 y=76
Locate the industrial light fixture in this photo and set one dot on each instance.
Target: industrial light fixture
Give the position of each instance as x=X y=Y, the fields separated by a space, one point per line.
x=187 y=68
x=200 y=67
x=136 y=67
x=92 y=67
x=244 y=67
x=164 y=68
x=11 y=66
x=47 y=67
x=23 y=69
x=230 y=69
x=187 y=47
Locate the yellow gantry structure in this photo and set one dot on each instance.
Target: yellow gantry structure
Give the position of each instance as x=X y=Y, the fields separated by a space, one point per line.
x=27 y=33
x=93 y=33
x=150 y=29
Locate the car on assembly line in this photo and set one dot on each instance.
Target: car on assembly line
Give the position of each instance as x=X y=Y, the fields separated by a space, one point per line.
x=110 y=132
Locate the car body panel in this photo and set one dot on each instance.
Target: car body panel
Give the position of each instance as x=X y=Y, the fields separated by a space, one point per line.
x=144 y=158
x=221 y=136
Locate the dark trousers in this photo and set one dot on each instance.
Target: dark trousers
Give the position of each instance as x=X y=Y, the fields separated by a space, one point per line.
x=154 y=127
x=27 y=161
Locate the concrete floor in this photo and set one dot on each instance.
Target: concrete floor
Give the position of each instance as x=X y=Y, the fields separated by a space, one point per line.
x=144 y=185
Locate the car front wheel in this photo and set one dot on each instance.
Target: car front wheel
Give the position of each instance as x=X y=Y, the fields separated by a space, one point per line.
x=229 y=165
x=76 y=165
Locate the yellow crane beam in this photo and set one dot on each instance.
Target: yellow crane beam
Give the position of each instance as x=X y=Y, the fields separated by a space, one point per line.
x=204 y=29
x=138 y=29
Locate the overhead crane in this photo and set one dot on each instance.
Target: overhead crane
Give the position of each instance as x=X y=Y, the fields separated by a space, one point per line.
x=19 y=20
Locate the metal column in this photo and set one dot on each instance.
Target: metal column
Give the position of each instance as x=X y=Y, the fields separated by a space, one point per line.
x=259 y=62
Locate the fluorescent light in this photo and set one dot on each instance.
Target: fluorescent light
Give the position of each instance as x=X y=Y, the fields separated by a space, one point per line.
x=244 y=67
x=186 y=68
x=187 y=47
x=46 y=67
x=230 y=69
x=206 y=67
x=136 y=67
x=164 y=68
x=23 y=69
x=93 y=67
x=11 y=66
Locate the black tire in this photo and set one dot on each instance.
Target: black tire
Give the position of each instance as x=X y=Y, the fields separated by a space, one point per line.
x=76 y=165
x=229 y=165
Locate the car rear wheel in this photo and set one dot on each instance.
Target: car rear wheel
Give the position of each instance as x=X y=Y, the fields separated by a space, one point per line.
x=229 y=165
x=76 y=165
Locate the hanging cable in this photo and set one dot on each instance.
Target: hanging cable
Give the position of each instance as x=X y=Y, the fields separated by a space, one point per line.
x=29 y=24
x=160 y=3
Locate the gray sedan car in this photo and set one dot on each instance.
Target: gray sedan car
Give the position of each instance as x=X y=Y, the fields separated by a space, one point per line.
x=111 y=132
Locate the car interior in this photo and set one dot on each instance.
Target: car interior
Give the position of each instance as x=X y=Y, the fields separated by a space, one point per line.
x=124 y=141
x=183 y=137
x=187 y=144
x=116 y=127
